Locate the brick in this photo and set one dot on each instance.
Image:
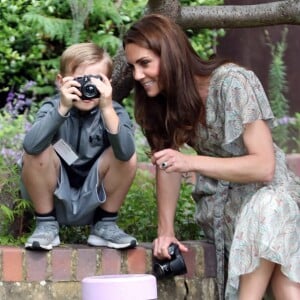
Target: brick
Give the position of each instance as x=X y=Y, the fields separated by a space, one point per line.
x=190 y=261
x=69 y=263
x=210 y=260
x=12 y=259
x=61 y=264
x=86 y=263
x=136 y=260
x=111 y=261
x=36 y=265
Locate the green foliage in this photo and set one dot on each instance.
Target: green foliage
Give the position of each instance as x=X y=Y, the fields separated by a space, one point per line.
x=286 y=126
x=19 y=45
x=12 y=208
x=74 y=234
x=204 y=41
x=295 y=134
x=52 y=27
x=277 y=77
x=138 y=215
x=34 y=34
x=12 y=132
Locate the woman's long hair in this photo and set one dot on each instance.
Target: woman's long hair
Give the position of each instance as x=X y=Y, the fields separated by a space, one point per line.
x=172 y=118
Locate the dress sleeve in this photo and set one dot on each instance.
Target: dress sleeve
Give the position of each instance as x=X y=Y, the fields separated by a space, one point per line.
x=244 y=101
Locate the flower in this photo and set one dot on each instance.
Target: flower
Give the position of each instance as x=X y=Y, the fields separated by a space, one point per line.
x=286 y=120
x=18 y=102
x=14 y=123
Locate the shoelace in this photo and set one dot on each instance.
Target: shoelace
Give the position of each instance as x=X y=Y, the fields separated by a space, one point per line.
x=45 y=228
x=112 y=230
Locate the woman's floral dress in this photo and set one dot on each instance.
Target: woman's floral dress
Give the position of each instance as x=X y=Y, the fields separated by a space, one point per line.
x=249 y=221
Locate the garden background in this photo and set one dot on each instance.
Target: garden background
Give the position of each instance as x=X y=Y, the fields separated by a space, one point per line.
x=34 y=34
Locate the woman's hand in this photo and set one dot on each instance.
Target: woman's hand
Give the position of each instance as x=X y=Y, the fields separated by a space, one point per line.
x=171 y=160
x=161 y=245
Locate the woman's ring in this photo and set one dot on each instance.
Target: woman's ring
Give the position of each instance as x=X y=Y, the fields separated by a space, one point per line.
x=164 y=165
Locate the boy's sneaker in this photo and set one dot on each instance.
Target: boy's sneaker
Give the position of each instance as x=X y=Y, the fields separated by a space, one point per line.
x=44 y=237
x=107 y=233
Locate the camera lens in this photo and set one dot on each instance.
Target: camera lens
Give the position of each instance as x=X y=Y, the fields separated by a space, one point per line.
x=162 y=270
x=158 y=270
x=89 y=91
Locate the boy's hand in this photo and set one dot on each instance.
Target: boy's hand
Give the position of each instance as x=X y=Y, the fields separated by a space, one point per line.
x=105 y=104
x=69 y=93
x=105 y=89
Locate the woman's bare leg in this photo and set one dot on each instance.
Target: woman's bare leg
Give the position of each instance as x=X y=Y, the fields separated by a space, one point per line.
x=283 y=288
x=254 y=285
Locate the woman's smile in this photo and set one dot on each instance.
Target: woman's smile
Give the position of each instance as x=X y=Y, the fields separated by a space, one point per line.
x=145 y=65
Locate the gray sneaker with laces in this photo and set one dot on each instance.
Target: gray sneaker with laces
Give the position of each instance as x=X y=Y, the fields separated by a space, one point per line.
x=44 y=237
x=107 y=233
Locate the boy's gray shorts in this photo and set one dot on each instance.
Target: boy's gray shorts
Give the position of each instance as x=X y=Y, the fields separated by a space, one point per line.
x=76 y=206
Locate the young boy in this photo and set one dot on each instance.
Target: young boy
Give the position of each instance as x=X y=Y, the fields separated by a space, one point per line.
x=80 y=159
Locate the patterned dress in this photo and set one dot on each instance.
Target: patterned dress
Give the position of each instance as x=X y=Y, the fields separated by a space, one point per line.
x=254 y=220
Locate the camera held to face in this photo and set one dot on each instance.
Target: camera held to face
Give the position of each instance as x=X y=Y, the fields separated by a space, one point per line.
x=87 y=88
x=174 y=266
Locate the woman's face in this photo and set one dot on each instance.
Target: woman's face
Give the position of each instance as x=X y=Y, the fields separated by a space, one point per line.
x=145 y=67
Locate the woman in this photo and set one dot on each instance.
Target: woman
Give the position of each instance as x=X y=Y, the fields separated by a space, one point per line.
x=247 y=200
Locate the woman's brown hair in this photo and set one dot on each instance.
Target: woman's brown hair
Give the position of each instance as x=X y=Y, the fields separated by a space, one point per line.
x=173 y=118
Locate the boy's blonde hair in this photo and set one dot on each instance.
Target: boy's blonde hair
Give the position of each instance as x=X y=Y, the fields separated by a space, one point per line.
x=83 y=53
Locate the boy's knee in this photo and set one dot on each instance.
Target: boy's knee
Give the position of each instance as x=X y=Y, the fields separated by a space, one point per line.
x=108 y=160
x=41 y=160
x=133 y=161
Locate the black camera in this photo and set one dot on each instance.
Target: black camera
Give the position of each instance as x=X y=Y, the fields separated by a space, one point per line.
x=174 y=266
x=87 y=88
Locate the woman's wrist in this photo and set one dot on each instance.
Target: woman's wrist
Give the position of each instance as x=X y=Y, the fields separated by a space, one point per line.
x=165 y=231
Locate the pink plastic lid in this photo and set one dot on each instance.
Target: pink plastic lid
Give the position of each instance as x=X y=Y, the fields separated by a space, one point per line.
x=119 y=287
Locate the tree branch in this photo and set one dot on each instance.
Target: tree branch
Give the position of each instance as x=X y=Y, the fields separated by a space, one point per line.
x=170 y=8
x=239 y=16
x=122 y=81
x=196 y=17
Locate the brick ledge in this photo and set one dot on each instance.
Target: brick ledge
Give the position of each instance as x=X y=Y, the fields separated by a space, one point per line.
x=25 y=273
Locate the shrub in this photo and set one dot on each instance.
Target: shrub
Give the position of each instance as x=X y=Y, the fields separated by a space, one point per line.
x=138 y=215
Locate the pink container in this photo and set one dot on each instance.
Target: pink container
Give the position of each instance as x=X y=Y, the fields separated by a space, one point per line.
x=119 y=287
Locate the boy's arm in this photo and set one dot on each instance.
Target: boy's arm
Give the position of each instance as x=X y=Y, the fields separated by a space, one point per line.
x=123 y=141
x=41 y=134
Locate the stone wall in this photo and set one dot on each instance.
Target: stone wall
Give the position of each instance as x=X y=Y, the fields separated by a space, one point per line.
x=57 y=274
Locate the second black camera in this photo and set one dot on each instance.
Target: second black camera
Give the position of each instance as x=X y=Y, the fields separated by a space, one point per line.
x=174 y=266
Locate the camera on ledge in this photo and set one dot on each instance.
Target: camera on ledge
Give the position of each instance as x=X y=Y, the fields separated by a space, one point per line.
x=174 y=266
x=87 y=88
